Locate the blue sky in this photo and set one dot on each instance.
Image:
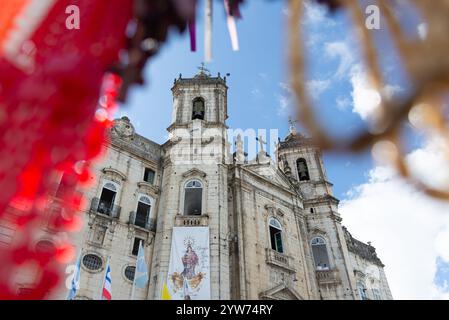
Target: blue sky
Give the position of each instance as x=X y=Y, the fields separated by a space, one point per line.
x=257 y=97
x=376 y=207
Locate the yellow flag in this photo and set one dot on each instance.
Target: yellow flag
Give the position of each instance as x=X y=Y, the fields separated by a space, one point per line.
x=165 y=293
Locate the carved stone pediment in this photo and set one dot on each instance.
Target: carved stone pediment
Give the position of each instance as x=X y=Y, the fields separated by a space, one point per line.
x=194 y=172
x=281 y=292
x=274 y=211
x=317 y=231
x=123 y=128
x=148 y=188
x=114 y=174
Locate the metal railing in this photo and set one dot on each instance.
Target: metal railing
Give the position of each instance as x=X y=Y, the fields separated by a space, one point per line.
x=105 y=208
x=142 y=221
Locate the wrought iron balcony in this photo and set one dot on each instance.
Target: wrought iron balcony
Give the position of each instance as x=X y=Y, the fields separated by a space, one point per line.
x=142 y=222
x=105 y=208
x=279 y=259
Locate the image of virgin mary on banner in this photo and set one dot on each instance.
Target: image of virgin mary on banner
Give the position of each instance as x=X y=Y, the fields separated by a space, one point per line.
x=189 y=270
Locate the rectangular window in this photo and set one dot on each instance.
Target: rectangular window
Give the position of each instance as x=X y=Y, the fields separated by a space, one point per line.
x=278 y=237
x=136 y=246
x=193 y=201
x=148 y=176
x=106 y=201
x=276 y=240
x=142 y=214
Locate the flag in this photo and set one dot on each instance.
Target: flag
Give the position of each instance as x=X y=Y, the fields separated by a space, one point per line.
x=141 y=276
x=75 y=280
x=106 y=293
x=165 y=293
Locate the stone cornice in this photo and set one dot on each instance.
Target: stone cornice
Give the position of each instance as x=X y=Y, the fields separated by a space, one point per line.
x=115 y=172
x=194 y=173
x=148 y=187
x=266 y=180
x=322 y=199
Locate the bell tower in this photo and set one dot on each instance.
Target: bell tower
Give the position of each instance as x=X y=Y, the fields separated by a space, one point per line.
x=202 y=97
x=194 y=200
x=302 y=161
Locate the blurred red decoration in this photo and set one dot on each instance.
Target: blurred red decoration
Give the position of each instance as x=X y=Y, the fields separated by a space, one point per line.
x=48 y=101
x=56 y=106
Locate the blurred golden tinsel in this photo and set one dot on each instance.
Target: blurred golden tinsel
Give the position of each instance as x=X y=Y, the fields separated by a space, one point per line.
x=426 y=62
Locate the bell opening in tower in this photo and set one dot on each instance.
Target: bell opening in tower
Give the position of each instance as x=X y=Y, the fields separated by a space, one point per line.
x=198 y=109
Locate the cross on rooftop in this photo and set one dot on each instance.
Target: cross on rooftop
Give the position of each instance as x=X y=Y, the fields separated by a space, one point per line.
x=203 y=69
x=292 y=125
x=291 y=121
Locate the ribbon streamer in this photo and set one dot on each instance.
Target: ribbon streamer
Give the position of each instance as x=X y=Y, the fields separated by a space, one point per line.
x=192 y=24
x=232 y=28
x=208 y=13
x=192 y=33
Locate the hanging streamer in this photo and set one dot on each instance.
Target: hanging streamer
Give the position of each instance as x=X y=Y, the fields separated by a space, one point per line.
x=208 y=12
x=192 y=28
x=232 y=28
x=192 y=33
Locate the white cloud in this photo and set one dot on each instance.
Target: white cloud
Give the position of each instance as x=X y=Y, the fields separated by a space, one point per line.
x=317 y=87
x=365 y=99
x=409 y=230
x=341 y=50
x=283 y=106
x=256 y=93
x=316 y=14
x=285 y=86
x=343 y=103
x=430 y=165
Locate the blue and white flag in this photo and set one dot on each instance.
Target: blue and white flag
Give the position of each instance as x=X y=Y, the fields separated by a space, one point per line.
x=141 y=274
x=75 y=280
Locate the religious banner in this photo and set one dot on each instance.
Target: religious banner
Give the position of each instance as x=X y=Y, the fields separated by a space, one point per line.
x=189 y=271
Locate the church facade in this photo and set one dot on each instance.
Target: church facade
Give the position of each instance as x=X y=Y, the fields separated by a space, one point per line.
x=215 y=224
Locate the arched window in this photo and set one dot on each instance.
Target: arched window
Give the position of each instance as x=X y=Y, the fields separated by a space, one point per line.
x=362 y=291
x=303 y=171
x=143 y=211
x=107 y=198
x=198 y=110
x=193 y=198
x=276 y=235
x=320 y=256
